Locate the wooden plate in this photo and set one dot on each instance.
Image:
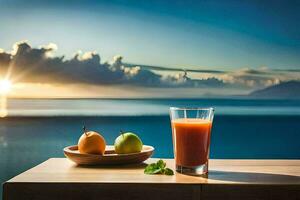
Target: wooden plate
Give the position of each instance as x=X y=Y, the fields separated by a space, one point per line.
x=109 y=158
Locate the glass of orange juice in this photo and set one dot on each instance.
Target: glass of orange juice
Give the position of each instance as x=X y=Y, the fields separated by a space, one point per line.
x=191 y=129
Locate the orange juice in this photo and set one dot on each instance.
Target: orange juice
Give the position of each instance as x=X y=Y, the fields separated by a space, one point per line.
x=191 y=141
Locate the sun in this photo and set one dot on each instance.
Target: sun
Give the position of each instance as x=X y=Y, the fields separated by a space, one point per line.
x=5 y=86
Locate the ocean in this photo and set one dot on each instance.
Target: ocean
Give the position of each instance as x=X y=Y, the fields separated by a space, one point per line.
x=37 y=129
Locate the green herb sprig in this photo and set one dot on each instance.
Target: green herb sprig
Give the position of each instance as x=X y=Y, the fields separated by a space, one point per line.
x=158 y=168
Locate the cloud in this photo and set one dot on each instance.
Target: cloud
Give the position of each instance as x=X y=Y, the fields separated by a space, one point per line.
x=159 y=68
x=4 y=59
x=258 y=78
x=39 y=65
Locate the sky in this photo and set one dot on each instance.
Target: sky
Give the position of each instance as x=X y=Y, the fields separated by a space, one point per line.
x=226 y=47
x=195 y=34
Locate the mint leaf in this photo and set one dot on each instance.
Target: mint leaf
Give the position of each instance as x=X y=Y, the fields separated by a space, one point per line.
x=161 y=164
x=168 y=172
x=152 y=169
x=158 y=168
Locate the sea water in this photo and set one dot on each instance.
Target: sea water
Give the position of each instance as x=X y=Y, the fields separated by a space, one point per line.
x=35 y=129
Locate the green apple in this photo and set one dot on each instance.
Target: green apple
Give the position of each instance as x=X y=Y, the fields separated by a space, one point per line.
x=128 y=143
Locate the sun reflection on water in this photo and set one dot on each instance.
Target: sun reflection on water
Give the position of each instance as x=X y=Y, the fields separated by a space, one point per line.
x=3 y=106
x=5 y=88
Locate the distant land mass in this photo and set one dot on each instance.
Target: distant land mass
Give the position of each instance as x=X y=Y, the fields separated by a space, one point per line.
x=290 y=89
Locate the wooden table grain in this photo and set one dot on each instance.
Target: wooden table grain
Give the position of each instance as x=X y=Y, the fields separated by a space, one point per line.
x=58 y=178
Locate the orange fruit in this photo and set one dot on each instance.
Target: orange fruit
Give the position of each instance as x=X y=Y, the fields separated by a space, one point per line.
x=91 y=142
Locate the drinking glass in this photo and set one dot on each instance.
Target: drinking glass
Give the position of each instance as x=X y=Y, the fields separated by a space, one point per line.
x=191 y=130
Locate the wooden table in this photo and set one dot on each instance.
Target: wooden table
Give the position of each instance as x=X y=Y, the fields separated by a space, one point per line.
x=58 y=178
